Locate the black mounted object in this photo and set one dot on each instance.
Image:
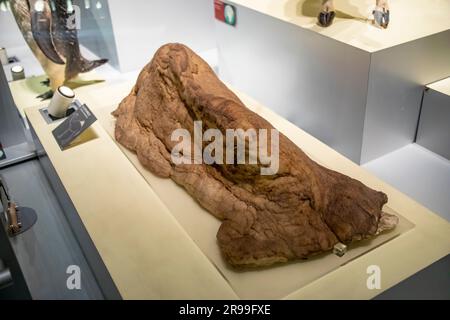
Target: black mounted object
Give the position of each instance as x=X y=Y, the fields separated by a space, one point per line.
x=17 y=219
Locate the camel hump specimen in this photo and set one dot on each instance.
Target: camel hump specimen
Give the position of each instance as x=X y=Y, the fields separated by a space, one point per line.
x=301 y=210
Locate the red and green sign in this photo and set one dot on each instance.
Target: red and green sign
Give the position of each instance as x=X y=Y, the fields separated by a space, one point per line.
x=225 y=12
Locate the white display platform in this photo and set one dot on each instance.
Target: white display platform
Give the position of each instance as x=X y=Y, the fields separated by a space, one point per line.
x=165 y=262
x=264 y=283
x=353 y=86
x=434 y=126
x=410 y=19
x=442 y=86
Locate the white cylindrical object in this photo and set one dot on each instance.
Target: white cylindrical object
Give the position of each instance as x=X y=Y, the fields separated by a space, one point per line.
x=60 y=102
x=18 y=73
x=3 y=56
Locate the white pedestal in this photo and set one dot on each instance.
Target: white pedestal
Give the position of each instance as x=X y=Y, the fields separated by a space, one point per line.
x=353 y=86
x=434 y=125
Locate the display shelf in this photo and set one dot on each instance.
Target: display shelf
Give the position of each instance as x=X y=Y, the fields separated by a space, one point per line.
x=267 y=283
x=150 y=255
x=353 y=24
x=353 y=86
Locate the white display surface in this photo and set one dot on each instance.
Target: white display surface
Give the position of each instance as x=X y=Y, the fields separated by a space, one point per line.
x=274 y=282
x=150 y=255
x=442 y=86
x=410 y=19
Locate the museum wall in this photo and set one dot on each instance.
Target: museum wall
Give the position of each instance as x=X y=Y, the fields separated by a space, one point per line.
x=141 y=31
x=10 y=35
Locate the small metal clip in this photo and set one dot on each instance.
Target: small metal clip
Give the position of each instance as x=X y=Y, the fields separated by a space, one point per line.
x=14 y=224
x=340 y=249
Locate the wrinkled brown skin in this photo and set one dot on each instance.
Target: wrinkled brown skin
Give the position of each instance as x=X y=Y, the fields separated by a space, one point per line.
x=303 y=210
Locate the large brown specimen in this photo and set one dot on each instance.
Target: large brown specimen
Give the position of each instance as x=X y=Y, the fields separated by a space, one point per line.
x=303 y=210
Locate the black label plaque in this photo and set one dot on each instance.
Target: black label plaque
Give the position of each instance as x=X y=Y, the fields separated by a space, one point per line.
x=73 y=126
x=2 y=152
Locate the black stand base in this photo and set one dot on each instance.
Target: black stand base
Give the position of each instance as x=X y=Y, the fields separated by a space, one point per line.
x=27 y=217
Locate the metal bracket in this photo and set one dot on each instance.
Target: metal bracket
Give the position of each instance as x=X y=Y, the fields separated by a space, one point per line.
x=340 y=249
x=17 y=219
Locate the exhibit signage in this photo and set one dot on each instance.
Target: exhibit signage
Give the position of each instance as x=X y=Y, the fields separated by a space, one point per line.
x=225 y=12
x=73 y=126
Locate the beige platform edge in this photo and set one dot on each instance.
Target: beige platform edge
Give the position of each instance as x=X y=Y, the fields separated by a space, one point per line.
x=410 y=19
x=442 y=86
x=150 y=256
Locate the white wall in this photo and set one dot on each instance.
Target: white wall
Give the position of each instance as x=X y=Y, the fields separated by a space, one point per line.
x=10 y=35
x=142 y=26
